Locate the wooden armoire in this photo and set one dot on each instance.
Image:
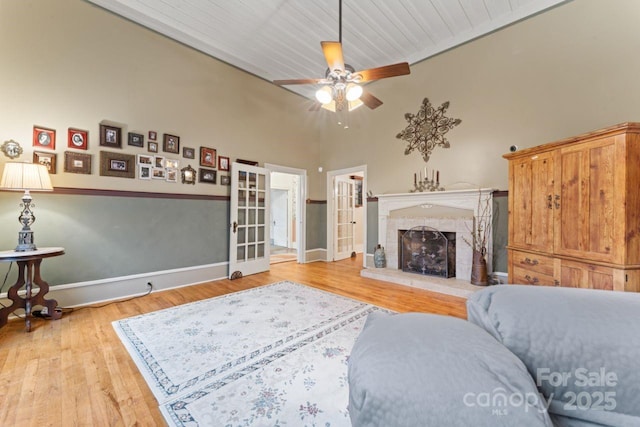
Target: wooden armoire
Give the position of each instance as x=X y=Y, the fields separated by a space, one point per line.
x=574 y=211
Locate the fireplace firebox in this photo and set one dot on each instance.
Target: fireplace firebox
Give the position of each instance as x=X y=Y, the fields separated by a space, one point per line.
x=427 y=251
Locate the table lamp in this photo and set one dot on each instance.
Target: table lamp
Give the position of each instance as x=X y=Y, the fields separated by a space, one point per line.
x=25 y=177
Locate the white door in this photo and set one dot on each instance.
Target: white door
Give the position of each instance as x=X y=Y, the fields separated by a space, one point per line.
x=280 y=217
x=249 y=228
x=344 y=204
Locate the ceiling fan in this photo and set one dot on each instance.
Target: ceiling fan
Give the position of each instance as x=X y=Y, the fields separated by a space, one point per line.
x=342 y=90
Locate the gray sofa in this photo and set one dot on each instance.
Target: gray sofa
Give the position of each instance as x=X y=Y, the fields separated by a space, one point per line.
x=527 y=356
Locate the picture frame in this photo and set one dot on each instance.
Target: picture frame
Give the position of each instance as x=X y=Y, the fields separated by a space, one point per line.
x=188 y=153
x=188 y=175
x=78 y=139
x=171 y=163
x=172 y=174
x=47 y=159
x=207 y=176
x=136 y=139
x=223 y=163
x=144 y=171
x=145 y=159
x=117 y=164
x=44 y=138
x=110 y=136
x=225 y=180
x=153 y=135
x=158 y=173
x=11 y=149
x=152 y=147
x=75 y=162
x=247 y=162
x=208 y=157
x=171 y=143
x=158 y=162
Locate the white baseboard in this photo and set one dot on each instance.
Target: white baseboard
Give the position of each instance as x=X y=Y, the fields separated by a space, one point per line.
x=314 y=255
x=98 y=291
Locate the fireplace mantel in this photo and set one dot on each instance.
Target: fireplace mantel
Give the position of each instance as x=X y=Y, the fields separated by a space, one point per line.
x=470 y=200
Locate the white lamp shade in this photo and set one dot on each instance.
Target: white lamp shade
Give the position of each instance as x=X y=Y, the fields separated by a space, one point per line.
x=25 y=176
x=324 y=95
x=354 y=92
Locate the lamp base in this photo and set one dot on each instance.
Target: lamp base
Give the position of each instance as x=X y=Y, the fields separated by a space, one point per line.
x=25 y=241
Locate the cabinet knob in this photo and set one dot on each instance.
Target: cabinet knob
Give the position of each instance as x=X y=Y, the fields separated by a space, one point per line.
x=528 y=261
x=557 y=201
x=549 y=203
x=532 y=280
x=556 y=282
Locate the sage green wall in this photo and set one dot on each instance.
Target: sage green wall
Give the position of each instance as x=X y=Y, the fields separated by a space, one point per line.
x=316 y=226
x=108 y=237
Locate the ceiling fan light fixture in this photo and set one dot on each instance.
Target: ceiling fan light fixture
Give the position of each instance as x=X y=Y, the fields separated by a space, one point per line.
x=354 y=91
x=324 y=95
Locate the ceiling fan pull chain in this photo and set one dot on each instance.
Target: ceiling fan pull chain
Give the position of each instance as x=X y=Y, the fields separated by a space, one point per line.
x=340 y=21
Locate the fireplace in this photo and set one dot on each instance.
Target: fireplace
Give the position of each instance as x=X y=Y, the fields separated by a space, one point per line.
x=464 y=205
x=427 y=251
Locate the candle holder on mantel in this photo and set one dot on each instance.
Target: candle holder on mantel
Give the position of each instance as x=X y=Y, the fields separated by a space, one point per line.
x=426 y=184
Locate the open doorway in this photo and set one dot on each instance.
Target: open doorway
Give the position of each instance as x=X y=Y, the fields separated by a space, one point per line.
x=287 y=213
x=346 y=213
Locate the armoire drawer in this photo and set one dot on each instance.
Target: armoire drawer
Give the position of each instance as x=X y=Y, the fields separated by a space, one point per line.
x=535 y=263
x=524 y=276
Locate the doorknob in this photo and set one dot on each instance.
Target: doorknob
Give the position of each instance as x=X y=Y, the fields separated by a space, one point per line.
x=235 y=226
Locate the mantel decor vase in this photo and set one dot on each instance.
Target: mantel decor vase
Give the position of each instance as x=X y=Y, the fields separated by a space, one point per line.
x=479 y=269
x=379 y=258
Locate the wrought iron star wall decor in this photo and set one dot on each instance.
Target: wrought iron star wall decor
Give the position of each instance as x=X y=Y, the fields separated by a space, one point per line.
x=427 y=129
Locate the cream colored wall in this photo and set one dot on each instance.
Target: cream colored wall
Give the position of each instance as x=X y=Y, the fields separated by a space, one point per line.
x=567 y=71
x=71 y=64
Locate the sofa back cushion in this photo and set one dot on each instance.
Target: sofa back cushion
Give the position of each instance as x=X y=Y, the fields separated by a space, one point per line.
x=581 y=346
x=416 y=369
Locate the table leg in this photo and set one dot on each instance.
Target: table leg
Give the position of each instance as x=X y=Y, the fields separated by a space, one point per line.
x=28 y=275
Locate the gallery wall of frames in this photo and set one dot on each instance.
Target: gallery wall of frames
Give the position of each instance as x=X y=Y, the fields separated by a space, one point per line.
x=160 y=157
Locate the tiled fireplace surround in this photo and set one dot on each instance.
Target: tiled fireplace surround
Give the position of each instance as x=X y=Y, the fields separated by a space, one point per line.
x=389 y=224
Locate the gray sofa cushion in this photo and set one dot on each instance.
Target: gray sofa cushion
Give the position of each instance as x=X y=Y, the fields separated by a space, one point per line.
x=424 y=369
x=581 y=346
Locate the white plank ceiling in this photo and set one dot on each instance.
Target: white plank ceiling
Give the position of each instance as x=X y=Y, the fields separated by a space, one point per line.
x=280 y=39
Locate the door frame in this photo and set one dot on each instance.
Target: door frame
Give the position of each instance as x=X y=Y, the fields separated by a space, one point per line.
x=330 y=207
x=301 y=206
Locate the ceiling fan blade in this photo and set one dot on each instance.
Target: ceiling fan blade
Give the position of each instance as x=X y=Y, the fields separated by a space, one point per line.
x=370 y=100
x=298 y=82
x=399 y=69
x=333 y=54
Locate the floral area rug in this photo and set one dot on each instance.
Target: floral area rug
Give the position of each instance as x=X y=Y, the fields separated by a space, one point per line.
x=275 y=355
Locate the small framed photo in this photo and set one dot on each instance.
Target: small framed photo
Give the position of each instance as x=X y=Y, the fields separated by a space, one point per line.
x=46 y=159
x=159 y=173
x=136 y=139
x=172 y=175
x=152 y=147
x=77 y=162
x=44 y=138
x=247 y=162
x=207 y=175
x=153 y=135
x=188 y=153
x=208 y=157
x=117 y=164
x=78 y=139
x=110 y=136
x=223 y=163
x=171 y=163
x=145 y=159
x=188 y=175
x=144 y=171
x=171 y=144
x=225 y=180
x=158 y=161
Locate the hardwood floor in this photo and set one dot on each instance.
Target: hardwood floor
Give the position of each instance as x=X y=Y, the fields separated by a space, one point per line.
x=76 y=372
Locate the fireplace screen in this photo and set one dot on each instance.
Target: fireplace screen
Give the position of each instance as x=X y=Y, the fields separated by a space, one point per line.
x=425 y=250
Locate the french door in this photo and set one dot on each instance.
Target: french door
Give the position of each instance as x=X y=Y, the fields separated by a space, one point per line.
x=344 y=224
x=249 y=217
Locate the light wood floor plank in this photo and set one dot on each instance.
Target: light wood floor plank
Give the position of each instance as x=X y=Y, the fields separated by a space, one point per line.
x=76 y=372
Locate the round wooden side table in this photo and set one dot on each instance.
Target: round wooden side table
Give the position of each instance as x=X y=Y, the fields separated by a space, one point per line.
x=29 y=275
